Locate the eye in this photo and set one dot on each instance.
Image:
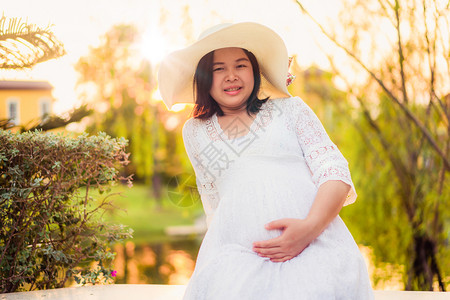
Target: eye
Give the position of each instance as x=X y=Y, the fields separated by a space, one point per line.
x=241 y=66
x=217 y=69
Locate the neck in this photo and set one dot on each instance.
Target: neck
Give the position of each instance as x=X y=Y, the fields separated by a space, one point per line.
x=234 y=111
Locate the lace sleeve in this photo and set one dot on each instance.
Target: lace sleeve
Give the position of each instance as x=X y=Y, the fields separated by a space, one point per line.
x=322 y=156
x=204 y=179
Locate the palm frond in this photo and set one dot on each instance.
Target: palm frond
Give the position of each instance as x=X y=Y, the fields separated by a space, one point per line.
x=54 y=121
x=6 y=124
x=23 y=45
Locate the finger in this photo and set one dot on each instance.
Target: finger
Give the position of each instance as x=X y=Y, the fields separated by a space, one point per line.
x=282 y=259
x=267 y=246
x=275 y=242
x=268 y=251
x=277 y=224
x=278 y=255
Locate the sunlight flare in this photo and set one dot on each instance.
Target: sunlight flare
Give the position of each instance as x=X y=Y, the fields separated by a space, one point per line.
x=153 y=45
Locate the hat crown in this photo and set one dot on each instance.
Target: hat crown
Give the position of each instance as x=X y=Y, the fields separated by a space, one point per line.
x=213 y=29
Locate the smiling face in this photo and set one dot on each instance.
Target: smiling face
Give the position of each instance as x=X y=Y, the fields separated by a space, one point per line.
x=232 y=82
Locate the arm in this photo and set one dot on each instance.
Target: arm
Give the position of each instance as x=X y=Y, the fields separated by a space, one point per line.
x=329 y=172
x=328 y=203
x=205 y=182
x=321 y=155
x=209 y=198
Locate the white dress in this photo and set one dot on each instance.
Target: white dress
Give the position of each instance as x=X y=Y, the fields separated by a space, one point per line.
x=270 y=173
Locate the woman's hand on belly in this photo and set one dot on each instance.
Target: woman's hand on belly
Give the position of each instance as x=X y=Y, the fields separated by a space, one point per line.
x=297 y=235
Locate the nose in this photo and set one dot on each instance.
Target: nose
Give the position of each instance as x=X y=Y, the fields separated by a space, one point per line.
x=231 y=75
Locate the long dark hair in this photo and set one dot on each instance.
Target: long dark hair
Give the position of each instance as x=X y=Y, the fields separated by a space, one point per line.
x=205 y=105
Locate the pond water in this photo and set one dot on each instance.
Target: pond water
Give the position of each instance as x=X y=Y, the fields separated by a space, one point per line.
x=173 y=262
x=170 y=262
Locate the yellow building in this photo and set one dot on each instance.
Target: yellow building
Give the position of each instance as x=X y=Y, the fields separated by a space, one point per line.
x=25 y=102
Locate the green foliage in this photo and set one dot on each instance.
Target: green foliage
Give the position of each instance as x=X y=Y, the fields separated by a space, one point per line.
x=400 y=138
x=400 y=211
x=49 y=230
x=402 y=216
x=125 y=83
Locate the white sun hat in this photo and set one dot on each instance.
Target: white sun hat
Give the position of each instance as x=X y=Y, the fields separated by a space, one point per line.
x=176 y=72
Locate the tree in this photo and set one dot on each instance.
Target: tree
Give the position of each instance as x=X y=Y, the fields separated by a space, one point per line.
x=123 y=83
x=401 y=114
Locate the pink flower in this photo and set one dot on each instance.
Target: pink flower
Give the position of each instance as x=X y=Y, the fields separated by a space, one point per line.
x=290 y=78
x=113 y=273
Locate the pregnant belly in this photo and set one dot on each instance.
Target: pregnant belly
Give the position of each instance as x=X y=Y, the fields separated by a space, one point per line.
x=257 y=199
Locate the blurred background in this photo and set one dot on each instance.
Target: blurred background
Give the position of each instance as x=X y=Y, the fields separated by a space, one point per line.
x=377 y=74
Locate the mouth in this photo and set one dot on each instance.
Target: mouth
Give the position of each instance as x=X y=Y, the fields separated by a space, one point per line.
x=233 y=89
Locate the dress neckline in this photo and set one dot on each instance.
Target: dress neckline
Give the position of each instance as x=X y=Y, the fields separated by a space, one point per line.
x=251 y=128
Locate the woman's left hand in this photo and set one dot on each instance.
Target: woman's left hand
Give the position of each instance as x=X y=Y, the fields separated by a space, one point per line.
x=297 y=235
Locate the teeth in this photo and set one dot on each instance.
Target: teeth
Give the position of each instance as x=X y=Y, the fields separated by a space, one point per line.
x=233 y=89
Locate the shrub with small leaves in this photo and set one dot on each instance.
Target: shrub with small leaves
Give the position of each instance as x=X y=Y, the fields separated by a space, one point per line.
x=50 y=225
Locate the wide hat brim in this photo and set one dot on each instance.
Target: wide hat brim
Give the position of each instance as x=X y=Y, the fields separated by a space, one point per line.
x=176 y=72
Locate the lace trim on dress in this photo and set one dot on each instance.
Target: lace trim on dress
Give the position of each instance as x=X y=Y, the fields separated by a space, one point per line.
x=322 y=156
x=262 y=119
x=211 y=130
x=205 y=180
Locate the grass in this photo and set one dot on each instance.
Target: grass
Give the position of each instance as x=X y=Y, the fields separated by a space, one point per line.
x=137 y=208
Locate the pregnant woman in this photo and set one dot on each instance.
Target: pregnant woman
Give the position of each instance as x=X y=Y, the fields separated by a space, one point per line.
x=271 y=181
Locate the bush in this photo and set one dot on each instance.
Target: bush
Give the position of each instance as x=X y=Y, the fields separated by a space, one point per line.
x=50 y=231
